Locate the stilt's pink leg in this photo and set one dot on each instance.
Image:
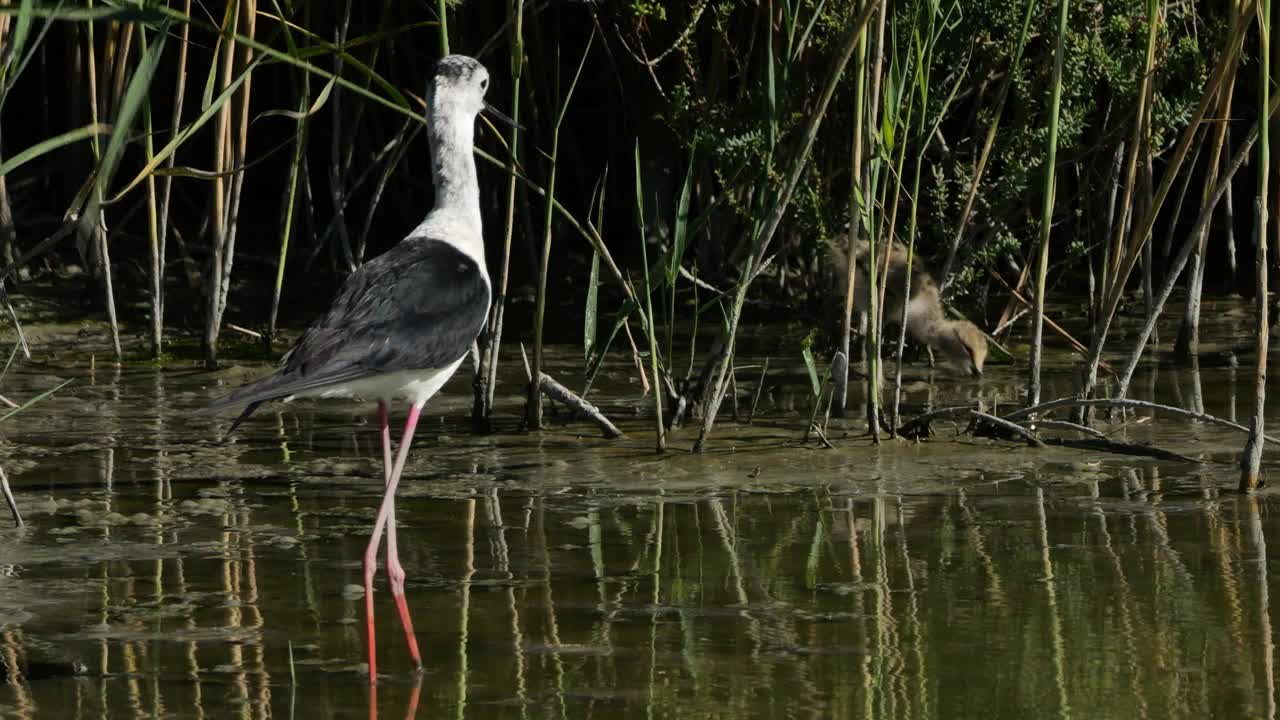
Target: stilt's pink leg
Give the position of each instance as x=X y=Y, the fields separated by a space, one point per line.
x=371 y=551
x=412 y=711
x=385 y=512
x=395 y=571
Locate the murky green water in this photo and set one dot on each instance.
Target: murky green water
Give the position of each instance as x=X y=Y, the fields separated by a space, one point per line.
x=165 y=574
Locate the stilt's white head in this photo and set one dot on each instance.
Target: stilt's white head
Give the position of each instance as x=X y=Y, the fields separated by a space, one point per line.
x=457 y=88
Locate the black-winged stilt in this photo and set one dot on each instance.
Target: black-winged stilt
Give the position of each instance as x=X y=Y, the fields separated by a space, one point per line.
x=404 y=321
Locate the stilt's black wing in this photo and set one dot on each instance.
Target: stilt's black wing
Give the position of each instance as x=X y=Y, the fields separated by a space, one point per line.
x=420 y=305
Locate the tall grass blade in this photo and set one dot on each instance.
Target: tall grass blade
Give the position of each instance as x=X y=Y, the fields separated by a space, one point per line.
x=650 y=330
x=591 y=312
x=1046 y=212
x=533 y=415
x=33 y=401
x=137 y=91
x=44 y=147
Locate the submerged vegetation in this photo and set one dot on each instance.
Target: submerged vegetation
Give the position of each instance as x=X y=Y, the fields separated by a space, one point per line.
x=221 y=166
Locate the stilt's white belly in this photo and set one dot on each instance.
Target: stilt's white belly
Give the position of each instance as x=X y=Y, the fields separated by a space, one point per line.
x=416 y=386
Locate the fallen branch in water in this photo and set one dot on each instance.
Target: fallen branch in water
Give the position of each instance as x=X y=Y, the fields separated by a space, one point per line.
x=1071 y=427
x=918 y=426
x=8 y=498
x=563 y=395
x=816 y=430
x=1111 y=446
x=1130 y=404
x=979 y=416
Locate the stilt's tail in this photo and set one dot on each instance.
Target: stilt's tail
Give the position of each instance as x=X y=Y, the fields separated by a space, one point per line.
x=249 y=396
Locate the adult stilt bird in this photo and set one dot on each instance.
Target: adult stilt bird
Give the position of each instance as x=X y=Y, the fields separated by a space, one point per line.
x=404 y=321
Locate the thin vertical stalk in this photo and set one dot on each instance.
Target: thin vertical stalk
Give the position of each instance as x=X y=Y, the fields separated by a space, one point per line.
x=488 y=380
x=98 y=220
x=166 y=181
x=8 y=232
x=299 y=146
x=841 y=384
x=1099 y=298
x=944 y=278
x=1187 y=345
x=533 y=410
x=1046 y=214
x=249 y=10
x=650 y=330
x=1229 y=220
x=924 y=47
x=153 y=231
x=441 y=10
x=218 y=224
x=764 y=236
x=921 y=89
x=337 y=164
x=8 y=59
x=1251 y=458
x=1220 y=188
x=1135 y=147
x=875 y=287
x=1124 y=262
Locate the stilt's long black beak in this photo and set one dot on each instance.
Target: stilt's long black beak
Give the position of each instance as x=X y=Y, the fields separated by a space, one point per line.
x=496 y=115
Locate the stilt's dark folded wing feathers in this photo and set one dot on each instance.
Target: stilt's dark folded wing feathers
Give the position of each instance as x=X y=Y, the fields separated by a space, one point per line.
x=420 y=305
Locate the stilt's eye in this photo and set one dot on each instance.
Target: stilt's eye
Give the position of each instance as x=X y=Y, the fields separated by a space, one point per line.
x=484 y=84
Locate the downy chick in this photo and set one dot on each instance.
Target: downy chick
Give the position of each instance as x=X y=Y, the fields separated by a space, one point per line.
x=960 y=341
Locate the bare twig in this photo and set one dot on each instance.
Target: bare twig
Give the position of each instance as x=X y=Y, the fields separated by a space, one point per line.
x=1111 y=446
x=565 y=396
x=1003 y=424
x=244 y=330
x=1071 y=427
x=918 y=426
x=1076 y=344
x=8 y=498
x=1128 y=404
x=554 y=390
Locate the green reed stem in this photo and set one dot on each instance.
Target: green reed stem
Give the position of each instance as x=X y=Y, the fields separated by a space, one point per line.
x=1046 y=213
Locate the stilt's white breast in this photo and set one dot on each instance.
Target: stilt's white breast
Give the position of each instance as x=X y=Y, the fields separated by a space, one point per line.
x=415 y=386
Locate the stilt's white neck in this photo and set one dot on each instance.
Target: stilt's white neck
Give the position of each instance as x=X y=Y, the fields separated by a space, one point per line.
x=456 y=215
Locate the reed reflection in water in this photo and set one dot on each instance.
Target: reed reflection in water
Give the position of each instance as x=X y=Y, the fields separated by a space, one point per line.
x=164 y=574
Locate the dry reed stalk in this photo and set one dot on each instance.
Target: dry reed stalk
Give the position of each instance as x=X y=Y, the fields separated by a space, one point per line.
x=488 y=381
x=1251 y=457
x=875 y=311
x=988 y=142
x=98 y=229
x=166 y=181
x=217 y=220
x=156 y=270
x=1126 y=262
x=1187 y=344
x=8 y=233
x=840 y=387
x=249 y=13
x=765 y=236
